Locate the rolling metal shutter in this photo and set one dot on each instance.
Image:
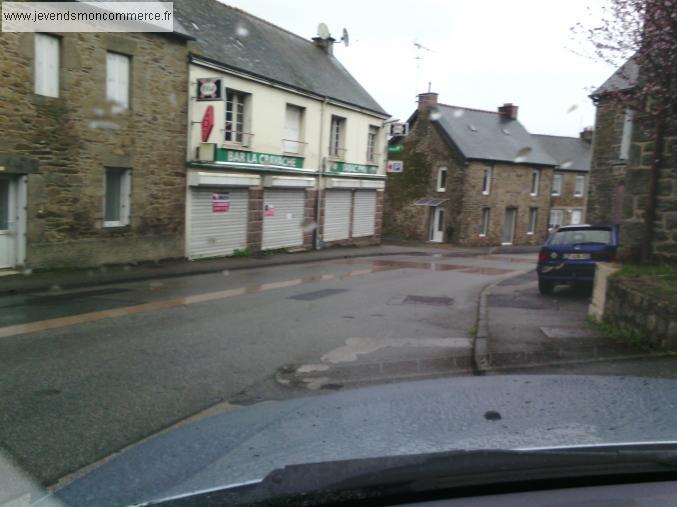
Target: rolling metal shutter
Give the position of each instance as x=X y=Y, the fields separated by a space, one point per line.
x=364 y=213
x=284 y=227
x=213 y=234
x=337 y=214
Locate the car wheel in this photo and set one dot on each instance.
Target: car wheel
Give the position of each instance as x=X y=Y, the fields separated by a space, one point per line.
x=545 y=286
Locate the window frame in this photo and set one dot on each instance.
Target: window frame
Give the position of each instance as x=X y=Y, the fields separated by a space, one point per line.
x=626 y=134
x=118 y=106
x=286 y=143
x=40 y=78
x=557 y=189
x=337 y=136
x=484 y=222
x=558 y=211
x=580 y=179
x=372 y=143
x=487 y=176
x=125 y=197
x=535 y=182
x=238 y=136
x=533 y=221
x=442 y=171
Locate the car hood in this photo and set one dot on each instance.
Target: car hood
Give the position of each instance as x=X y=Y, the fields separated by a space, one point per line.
x=494 y=412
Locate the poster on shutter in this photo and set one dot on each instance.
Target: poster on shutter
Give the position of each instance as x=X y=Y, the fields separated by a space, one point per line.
x=220 y=202
x=268 y=210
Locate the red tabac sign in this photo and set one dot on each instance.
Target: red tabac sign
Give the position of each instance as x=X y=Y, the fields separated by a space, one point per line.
x=207 y=123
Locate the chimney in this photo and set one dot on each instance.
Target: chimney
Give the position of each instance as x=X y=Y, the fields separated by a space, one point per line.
x=326 y=45
x=509 y=110
x=427 y=101
x=586 y=134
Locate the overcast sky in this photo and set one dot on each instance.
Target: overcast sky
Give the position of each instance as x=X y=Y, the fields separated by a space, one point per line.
x=483 y=53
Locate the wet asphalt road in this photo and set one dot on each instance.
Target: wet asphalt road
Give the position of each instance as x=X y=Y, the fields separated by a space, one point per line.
x=84 y=373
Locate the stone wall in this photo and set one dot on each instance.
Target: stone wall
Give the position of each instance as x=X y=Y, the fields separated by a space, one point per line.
x=607 y=170
x=510 y=188
x=638 y=177
x=634 y=307
x=255 y=220
x=75 y=136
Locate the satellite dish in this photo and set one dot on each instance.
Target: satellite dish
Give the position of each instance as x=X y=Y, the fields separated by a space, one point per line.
x=322 y=31
x=345 y=38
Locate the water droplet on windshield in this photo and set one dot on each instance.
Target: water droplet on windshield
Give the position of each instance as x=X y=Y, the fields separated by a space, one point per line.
x=458 y=113
x=566 y=164
x=242 y=31
x=308 y=225
x=522 y=154
x=225 y=272
x=492 y=415
x=435 y=115
x=472 y=128
x=27 y=271
x=572 y=108
x=55 y=288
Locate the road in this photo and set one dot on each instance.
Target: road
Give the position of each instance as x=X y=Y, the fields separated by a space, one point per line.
x=84 y=373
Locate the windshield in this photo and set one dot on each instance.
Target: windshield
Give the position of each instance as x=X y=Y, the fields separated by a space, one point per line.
x=581 y=236
x=243 y=235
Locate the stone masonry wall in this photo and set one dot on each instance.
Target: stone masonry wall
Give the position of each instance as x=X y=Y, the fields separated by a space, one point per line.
x=75 y=136
x=510 y=188
x=255 y=220
x=423 y=153
x=641 y=310
x=607 y=170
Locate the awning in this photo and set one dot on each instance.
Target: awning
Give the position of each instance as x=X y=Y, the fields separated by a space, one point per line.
x=430 y=202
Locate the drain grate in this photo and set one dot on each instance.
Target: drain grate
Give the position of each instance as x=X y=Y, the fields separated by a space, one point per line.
x=427 y=300
x=311 y=296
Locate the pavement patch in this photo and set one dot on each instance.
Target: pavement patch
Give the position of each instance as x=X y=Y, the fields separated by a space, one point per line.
x=355 y=347
x=568 y=332
x=318 y=294
x=512 y=301
x=427 y=300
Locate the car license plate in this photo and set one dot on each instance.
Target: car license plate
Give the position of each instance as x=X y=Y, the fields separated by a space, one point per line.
x=577 y=256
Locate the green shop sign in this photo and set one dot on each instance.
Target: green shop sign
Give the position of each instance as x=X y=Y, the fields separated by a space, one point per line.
x=395 y=148
x=344 y=167
x=253 y=157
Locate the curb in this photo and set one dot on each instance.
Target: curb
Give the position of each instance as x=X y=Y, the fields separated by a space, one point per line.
x=129 y=276
x=480 y=352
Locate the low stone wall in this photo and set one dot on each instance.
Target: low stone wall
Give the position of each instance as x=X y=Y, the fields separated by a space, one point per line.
x=631 y=305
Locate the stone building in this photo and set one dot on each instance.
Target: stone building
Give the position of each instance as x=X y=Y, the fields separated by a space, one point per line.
x=273 y=119
x=470 y=177
x=623 y=155
x=570 y=179
x=92 y=148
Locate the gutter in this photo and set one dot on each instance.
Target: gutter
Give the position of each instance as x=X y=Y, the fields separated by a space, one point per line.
x=318 y=239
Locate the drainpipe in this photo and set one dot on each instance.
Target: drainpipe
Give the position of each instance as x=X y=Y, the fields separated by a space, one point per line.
x=322 y=160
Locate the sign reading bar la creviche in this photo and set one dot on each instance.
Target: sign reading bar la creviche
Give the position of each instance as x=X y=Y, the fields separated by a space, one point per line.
x=253 y=157
x=344 y=167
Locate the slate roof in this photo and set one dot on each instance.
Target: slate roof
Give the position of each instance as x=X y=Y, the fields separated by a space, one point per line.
x=239 y=40
x=570 y=153
x=488 y=135
x=624 y=78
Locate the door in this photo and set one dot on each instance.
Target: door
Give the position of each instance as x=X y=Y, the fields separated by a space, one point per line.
x=337 y=206
x=509 y=226
x=218 y=221
x=576 y=217
x=283 y=213
x=8 y=222
x=437 y=226
x=364 y=213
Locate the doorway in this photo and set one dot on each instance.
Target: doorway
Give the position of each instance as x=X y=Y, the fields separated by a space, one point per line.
x=509 y=226
x=9 y=222
x=437 y=225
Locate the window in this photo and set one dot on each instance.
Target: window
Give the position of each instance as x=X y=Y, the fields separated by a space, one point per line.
x=556 y=216
x=117 y=197
x=484 y=226
x=338 y=127
x=486 y=182
x=580 y=186
x=557 y=185
x=576 y=216
x=372 y=143
x=235 y=118
x=533 y=217
x=596 y=236
x=117 y=80
x=441 y=179
x=47 y=65
x=293 y=122
x=535 y=180
x=627 y=134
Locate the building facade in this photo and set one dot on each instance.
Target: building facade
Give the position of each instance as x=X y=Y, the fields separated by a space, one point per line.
x=470 y=177
x=285 y=149
x=92 y=151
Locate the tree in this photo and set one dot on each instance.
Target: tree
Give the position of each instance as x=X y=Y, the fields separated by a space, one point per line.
x=646 y=31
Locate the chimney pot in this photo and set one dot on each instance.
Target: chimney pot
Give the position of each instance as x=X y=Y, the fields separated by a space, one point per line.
x=586 y=134
x=427 y=100
x=508 y=110
x=326 y=45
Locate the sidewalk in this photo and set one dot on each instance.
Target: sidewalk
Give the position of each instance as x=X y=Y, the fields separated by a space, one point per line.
x=525 y=329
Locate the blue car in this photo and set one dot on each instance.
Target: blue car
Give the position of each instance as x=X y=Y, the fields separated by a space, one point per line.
x=570 y=255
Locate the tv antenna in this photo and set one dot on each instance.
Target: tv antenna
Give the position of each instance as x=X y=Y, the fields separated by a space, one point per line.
x=419 y=58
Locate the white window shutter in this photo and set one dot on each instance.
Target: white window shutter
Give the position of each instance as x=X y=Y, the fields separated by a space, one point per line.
x=46 y=65
x=117 y=80
x=292 y=129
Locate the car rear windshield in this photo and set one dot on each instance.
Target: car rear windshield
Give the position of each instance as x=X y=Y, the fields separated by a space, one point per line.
x=582 y=236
